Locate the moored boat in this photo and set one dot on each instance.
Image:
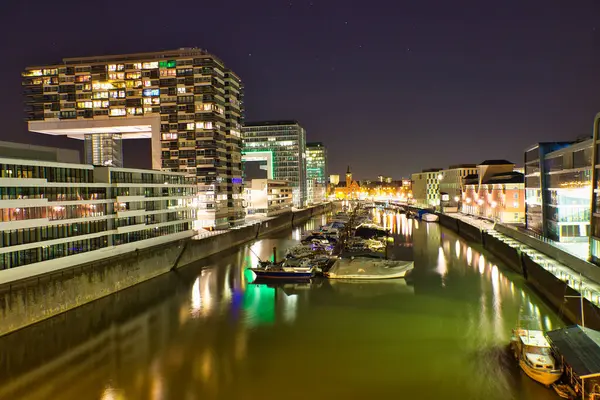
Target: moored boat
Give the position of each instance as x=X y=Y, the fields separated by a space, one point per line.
x=275 y=271
x=532 y=350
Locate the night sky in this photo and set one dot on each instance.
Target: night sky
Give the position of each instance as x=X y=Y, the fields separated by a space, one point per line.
x=391 y=87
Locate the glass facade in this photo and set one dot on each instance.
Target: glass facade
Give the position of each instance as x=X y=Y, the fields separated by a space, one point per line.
x=558 y=190
x=54 y=210
x=316 y=172
x=104 y=149
x=287 y=141
x=198 y=100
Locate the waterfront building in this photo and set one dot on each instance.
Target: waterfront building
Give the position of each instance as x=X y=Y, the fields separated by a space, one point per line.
x=267 y=196
x=348 y=190
x=558 y=190
x=425 y=187
x=567 y=193
x=40 y=153
x=60 y=214
x=451 y=184
x=316 y=172
x=535 y=185
x=495 y=192
x=284 y=143
x=185 y=101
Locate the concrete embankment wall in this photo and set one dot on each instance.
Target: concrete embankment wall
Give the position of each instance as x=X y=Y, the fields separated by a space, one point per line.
x=549 y=286
x=28 y=301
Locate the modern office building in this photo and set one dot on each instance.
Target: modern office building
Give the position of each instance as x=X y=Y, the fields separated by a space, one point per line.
x=81 y=213
x=535 y=185
x=316 y=172
x=451 y=184
x=185 y=101
x=425 y=187
x=284 y=143
x=568 y=192
x=495 y=191
x=267 y=196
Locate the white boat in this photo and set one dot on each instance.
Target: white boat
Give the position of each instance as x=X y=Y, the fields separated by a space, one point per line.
x=430 y=217
x=532 y=350
x=368 y=269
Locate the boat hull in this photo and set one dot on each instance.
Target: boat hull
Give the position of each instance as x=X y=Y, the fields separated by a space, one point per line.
x=546 y=378
x=283 y=275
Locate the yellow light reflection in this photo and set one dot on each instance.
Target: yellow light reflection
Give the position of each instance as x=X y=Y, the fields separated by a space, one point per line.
x=442 y=267
x=469 y=256
x=457 y=249
x=481 y=264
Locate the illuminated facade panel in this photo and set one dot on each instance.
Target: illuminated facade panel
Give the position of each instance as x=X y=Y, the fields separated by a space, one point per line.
x=58 y=214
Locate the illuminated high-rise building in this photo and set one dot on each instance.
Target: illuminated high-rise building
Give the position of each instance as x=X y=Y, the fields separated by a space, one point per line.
x=283 y=145
x=316 y=172
x=185 y=101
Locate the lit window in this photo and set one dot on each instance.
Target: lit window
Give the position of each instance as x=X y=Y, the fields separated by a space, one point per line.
x=147 y=100
x=120 y=67
x=207 y=106
x=150 y=65
x=147 y=110
x=208 y=125
x=84 y=104
x=117 y=112
x=147 y=83
x=134 y=75
x=169 y=136
x=190 y=126
x=151 y=92
x=34 y=72
x=112 y=67
x=137 y=65
x=181 y=90
x=102 y=85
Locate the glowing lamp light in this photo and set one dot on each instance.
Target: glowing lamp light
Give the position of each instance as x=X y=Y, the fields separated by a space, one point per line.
x=494 y=204
x=468 y=200
x=456 y=198
x=480 y=202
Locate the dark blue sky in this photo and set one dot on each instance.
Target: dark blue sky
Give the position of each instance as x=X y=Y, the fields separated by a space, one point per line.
x=391 y=87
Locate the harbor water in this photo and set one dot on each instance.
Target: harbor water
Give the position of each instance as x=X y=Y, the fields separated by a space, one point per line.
x=206 y=332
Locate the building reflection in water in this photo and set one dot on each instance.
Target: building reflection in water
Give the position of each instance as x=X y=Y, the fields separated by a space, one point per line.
x=193 y=341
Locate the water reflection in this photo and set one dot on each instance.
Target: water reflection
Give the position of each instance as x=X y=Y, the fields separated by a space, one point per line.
x=206 y=332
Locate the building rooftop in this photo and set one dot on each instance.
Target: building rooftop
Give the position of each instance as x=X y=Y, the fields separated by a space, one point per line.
x=431 y=170
x=506 y=177
x=457 y=166
x=496 y=162
x=580 y=348
x=314 y=144
x=272 y=123
x=154 y=55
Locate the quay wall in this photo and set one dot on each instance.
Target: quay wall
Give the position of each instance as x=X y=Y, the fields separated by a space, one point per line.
x=552 y=289
x=28 y=301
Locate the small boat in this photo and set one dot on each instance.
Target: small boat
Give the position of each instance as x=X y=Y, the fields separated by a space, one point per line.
x=281 y=271
x=359 y=268
x=532 y=350
x=428 y=217
x=564 y=391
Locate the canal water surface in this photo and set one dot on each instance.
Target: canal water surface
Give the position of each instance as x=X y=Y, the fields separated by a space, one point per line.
x=205 y=332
